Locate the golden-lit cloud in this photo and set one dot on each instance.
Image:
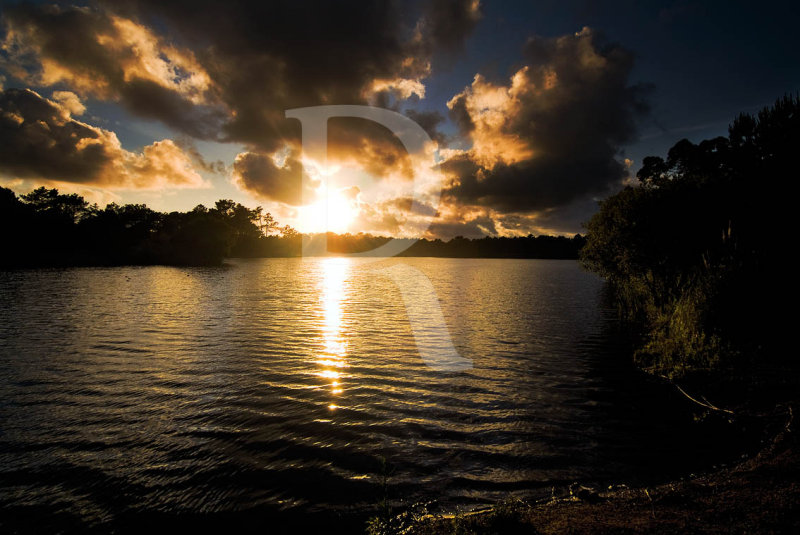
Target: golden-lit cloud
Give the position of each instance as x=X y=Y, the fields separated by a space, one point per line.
x=70 y=102
x=120 y=51
x=396 y=216
x=224 y=71
x=490 y=109
x=539 y=141
x=403 y=88
x=142 y=55
x=39 y=139
x=96 y=53
x=551 y=136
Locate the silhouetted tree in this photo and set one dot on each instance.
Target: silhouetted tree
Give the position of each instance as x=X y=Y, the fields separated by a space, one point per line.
x=693 y=252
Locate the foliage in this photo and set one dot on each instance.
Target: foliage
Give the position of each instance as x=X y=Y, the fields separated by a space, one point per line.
x=692 y=253
x=46 y=228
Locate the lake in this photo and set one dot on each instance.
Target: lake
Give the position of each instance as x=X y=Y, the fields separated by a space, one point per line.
x=292 y=390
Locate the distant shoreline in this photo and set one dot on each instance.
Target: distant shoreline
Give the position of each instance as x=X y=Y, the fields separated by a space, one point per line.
x=225 y=261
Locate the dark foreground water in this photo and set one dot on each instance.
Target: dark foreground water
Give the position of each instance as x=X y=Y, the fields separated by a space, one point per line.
x=279 y=392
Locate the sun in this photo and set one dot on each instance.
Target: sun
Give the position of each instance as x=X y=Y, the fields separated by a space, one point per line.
x=332 y=213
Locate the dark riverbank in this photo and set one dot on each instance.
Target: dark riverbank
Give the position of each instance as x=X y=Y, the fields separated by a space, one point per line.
x=758 y=494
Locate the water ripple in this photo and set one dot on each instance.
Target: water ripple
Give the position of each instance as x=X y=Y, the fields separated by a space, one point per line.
x=294 y=386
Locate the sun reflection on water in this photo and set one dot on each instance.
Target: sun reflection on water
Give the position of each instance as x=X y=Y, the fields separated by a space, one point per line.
x=332 y=355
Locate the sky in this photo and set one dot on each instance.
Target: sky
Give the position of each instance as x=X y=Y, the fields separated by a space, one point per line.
x=534 y=111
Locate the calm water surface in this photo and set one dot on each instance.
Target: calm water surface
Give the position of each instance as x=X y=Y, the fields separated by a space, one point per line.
x=289 y=388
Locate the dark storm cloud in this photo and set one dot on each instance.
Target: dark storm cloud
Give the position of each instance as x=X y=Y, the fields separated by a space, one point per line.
x=268 y=179
x=460 y=115
x=450 y=21
x=110 y=58
x=430 y=121
x=228 y=70
x=567 y=219
x=366 y=144
x=370 y=145
x=553 y=134
x=265 y=57
x=535 y=184
x=476 y=227
x=149 y=99
x=252 y=60
x=39 y=139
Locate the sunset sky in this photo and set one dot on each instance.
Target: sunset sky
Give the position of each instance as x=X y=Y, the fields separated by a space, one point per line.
x=535 y=109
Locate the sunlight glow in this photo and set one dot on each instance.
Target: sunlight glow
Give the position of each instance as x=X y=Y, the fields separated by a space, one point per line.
x=332 y=213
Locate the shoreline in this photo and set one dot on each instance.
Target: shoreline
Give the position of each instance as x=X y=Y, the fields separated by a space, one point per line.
x=225 y=262
x=759 y=493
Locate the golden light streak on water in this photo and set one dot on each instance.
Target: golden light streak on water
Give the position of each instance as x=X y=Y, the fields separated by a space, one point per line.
x=333 y=355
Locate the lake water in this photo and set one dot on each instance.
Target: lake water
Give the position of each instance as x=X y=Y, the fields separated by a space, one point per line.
x=292 y=390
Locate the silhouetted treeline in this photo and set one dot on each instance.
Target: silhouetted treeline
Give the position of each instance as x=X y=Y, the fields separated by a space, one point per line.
x=553 y=247
x=694 y=254
x=47 y=228
x=501 y=247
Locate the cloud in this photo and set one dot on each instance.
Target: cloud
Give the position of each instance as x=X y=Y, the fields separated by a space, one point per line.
x=39 y=139
x=430 y=121
x=188 y=146
x=229 y=70
x=409 y=206
x=370 y=146
x=273 y=177
x=402 y=88
x=547 y=139
x=376 y=220
x=451 y=21
x=99 y=54
x=70 y=102
x=566 y=219
x=398 y=216
x=552 y=134
x=355 y=144
x=467 y=227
